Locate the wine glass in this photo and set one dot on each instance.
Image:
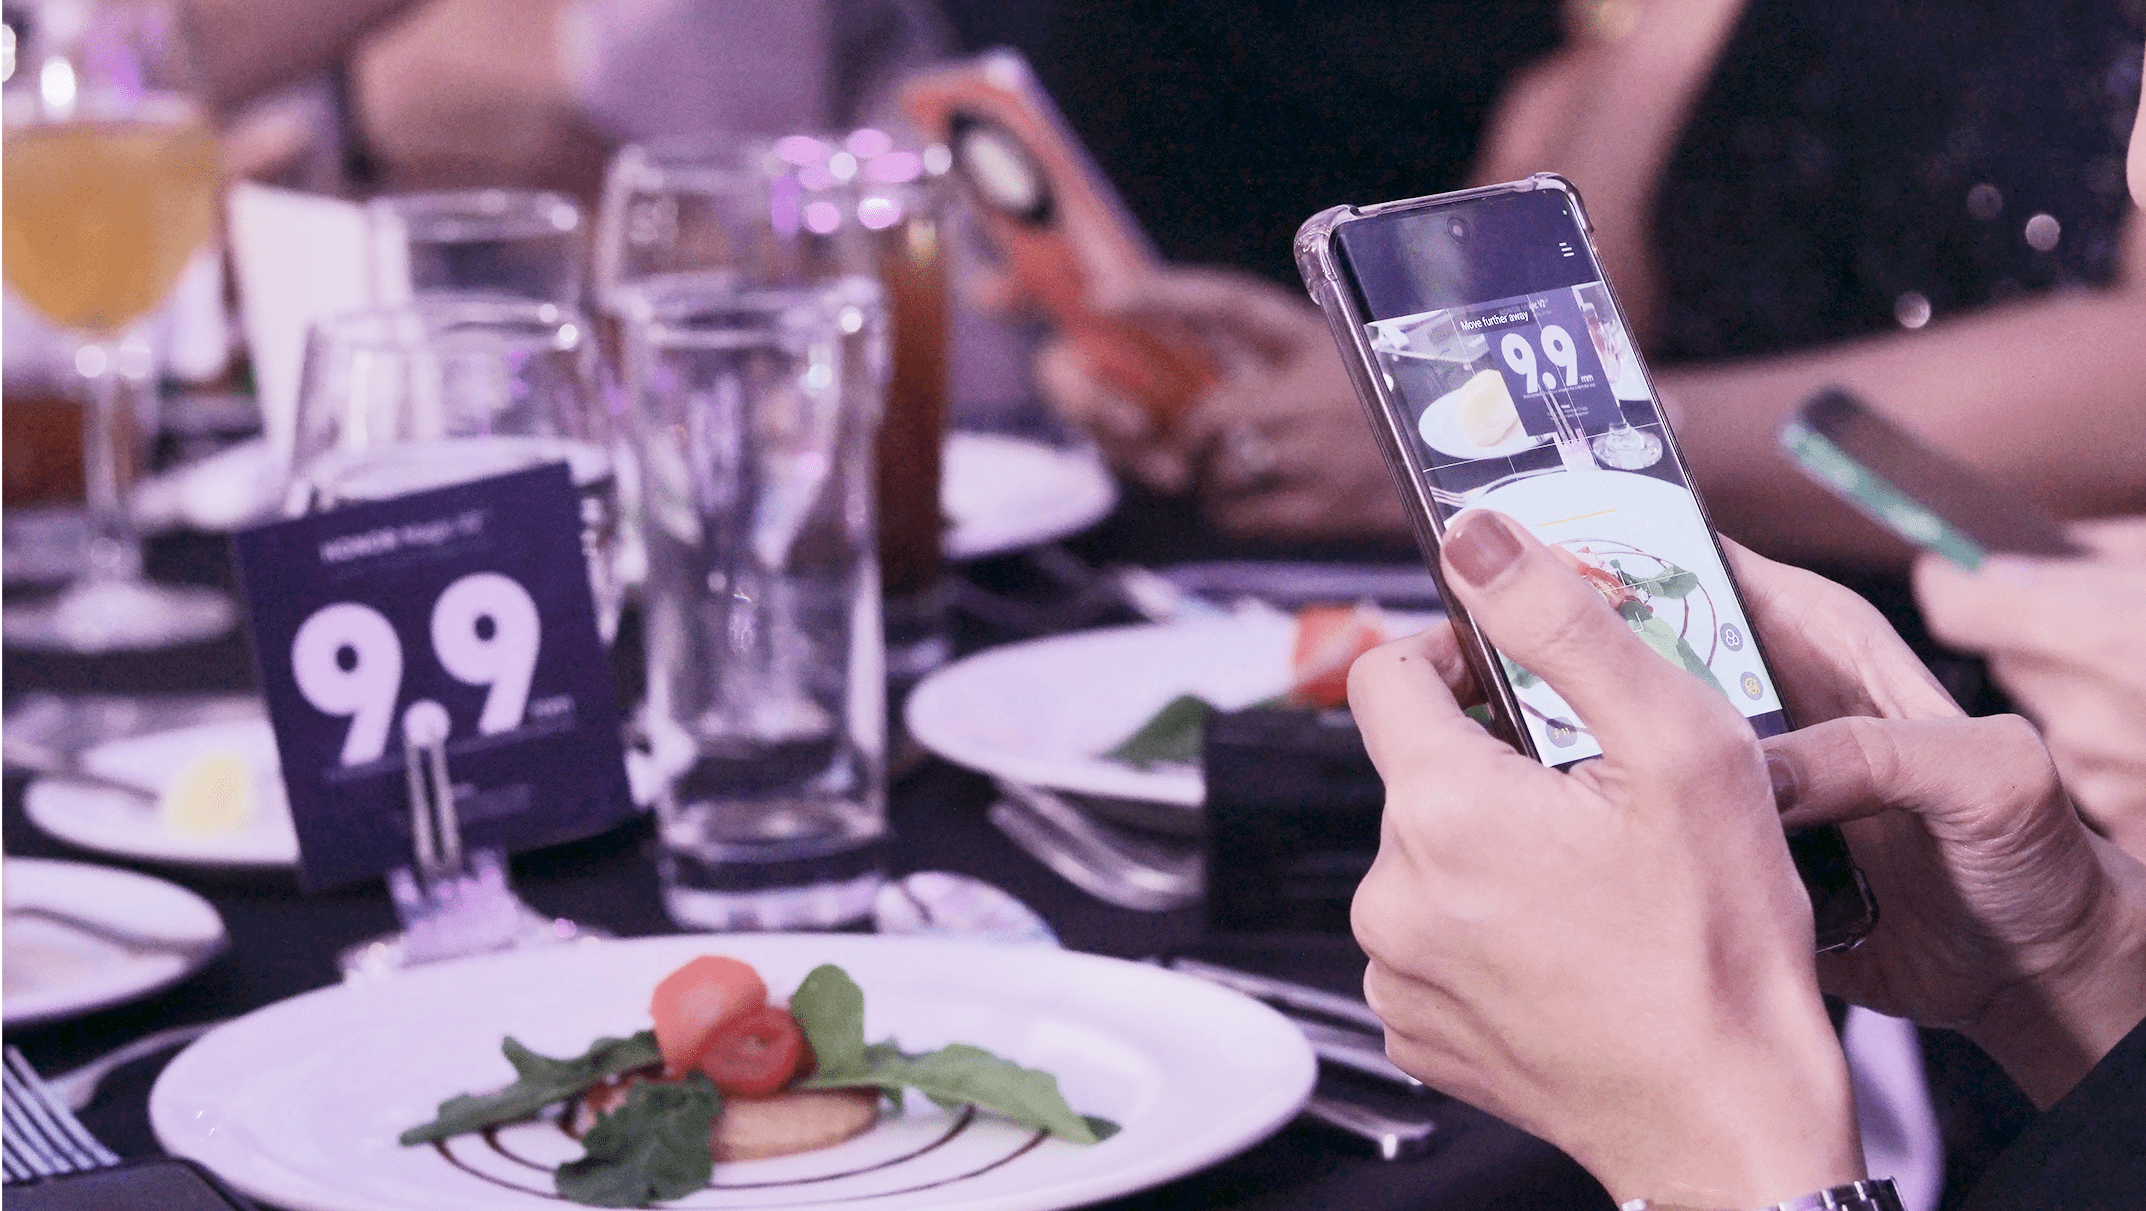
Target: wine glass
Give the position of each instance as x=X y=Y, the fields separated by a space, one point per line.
x=454 y=388
x=513 y=243
x=112 y=184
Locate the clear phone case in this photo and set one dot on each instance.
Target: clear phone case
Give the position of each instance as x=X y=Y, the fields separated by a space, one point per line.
x=1316 y=261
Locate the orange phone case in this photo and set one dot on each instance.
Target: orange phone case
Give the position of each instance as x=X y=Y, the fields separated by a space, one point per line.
x=1076 y=243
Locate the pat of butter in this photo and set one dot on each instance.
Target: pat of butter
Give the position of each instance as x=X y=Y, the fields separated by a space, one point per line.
x=211 y=795
x=1487 y=416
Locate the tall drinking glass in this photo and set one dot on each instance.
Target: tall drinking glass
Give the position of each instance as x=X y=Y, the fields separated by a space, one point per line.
x=112 y=184
x=810 y=209
x=515 y=243
x=449 y=390
x=765 y=662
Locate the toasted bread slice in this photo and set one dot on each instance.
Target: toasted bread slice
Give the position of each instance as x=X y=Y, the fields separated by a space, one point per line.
x=754 y=1128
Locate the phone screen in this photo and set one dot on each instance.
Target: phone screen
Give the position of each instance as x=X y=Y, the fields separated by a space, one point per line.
x=1520 y=390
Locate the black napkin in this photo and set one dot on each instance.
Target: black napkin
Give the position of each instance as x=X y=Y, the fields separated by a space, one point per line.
x=1292 y=819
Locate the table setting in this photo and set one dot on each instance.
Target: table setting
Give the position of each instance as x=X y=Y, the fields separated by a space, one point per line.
x=609 y=586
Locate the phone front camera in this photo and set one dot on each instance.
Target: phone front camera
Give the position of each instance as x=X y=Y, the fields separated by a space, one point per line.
x=1458 y=229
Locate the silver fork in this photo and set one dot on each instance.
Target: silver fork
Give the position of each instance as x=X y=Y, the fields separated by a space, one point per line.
x=42 y=1137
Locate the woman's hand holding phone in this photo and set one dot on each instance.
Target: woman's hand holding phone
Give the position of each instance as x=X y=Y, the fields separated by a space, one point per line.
x=1616 y=958
x=2001 y=915
x=1275 y=447
x=2067 y=640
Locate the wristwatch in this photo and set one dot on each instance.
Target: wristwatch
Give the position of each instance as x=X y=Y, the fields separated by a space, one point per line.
x=1874 y=1195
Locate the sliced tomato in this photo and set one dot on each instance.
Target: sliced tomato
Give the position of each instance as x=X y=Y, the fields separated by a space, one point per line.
x=698 y=999
x=755 y=1053
x=1328 y=641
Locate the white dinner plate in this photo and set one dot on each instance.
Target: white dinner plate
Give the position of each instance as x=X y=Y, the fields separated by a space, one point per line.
x=114 y=822
x=299 y=1104
x=1003 y=493
x=1000 y=493
x=1045 y=711
x=55 y=970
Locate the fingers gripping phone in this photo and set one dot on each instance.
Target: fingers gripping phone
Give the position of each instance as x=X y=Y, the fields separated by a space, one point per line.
x=1498 y=373
x=1066 y=236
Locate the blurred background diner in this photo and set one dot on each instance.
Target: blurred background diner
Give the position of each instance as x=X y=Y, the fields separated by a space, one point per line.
x=907 y=616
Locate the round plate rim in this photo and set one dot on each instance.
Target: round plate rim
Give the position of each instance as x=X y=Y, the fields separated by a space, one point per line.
x=21 y=1020
x=1095 y=505
x=170 y=1124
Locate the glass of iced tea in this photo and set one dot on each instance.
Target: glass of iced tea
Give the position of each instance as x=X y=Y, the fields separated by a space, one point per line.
x=112 y=184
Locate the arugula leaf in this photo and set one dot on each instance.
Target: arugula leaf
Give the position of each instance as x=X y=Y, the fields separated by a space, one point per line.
x=1170 y=736
x=1520 y=677
x=1667 y=642
x=829 y=1008
x=539 y=1081
x=1674 y=582
x=654 y=1147
x=959 y=1073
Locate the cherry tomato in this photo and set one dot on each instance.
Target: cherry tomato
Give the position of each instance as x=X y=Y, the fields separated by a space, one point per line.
x=755 y=1053
x=1328 y=641
x=692 y=1003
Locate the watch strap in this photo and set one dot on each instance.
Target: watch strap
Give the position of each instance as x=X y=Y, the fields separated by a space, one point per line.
x=1877 y=1194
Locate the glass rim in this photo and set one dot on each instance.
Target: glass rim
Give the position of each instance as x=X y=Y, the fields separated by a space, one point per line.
x=711 y=310
x=432 y=320
x=549 y=208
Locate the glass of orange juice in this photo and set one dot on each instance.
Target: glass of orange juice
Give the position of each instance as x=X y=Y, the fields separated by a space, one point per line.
x=112 y=184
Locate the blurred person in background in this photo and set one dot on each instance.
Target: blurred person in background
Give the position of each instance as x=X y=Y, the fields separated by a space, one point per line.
x=1921 y=201
x=440 y=94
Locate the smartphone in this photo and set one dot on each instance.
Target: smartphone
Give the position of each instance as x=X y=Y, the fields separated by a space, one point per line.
x=1498 y=373
x=1066 y=236
x=1917 y=493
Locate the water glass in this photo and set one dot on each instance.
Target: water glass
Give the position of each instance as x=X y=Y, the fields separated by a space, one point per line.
x=514 y=243
x=816 y=209
x=448 y=390
x=766 y=676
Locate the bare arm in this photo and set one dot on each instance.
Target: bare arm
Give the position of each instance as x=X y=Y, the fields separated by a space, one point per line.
x=247 y=47
x=2048 y=397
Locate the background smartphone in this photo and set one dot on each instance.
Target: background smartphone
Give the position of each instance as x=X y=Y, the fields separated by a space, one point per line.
x=1912 y=490
x=1066 y=236
x=1498 y=373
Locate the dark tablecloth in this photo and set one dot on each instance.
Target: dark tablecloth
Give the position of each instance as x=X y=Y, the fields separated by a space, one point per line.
x=284 y=943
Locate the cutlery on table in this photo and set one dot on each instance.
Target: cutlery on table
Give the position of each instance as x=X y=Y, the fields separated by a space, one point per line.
x=70 y=770
x=42 y=1137
x=1107 y=862
x=1341 y=1030
x=1395 y=1138
x=1345 y=1033
x=132 y=941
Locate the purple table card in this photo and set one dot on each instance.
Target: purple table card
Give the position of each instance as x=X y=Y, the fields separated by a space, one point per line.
x=466 y=606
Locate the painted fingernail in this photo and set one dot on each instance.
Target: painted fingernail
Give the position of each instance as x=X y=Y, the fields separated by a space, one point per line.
x=1479 y=547
x=1783 y=777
